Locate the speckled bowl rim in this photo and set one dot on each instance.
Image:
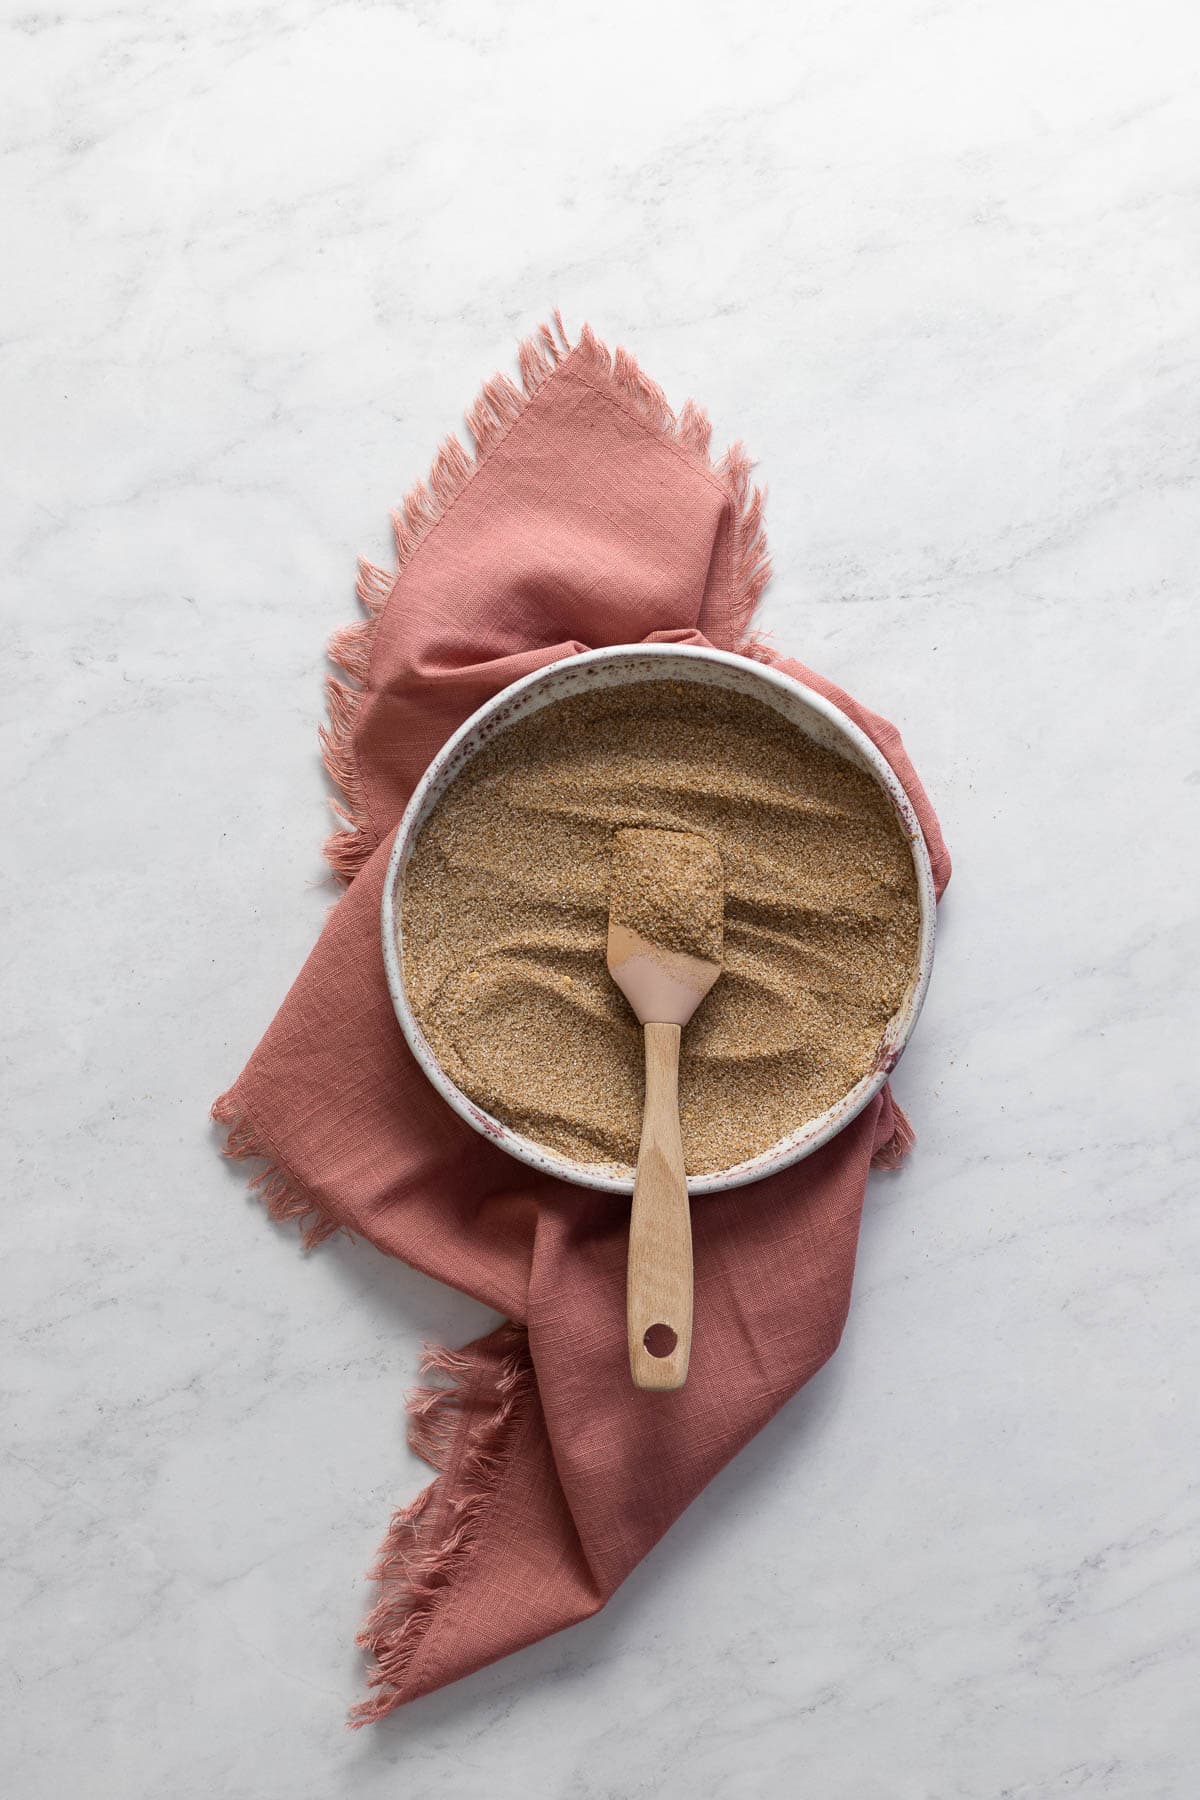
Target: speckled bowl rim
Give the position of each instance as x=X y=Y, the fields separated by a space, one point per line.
x=618 y=666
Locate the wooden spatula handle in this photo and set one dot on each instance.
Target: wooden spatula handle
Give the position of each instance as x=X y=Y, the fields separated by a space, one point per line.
x=659 y=1292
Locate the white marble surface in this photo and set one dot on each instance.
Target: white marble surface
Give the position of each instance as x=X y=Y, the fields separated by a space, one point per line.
x=939 y=265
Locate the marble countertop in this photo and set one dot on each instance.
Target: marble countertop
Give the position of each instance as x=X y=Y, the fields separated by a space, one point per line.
x=938 y=266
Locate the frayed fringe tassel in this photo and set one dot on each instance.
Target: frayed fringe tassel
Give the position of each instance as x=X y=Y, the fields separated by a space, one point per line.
x=499 y=405
x=284 y=1201
x=752 y=562
x=893 y=1153
x=760 y=646
x=416 y=1573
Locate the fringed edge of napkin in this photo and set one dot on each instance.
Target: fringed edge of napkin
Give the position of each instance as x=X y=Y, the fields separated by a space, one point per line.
x=279 y=1192
x=431 y=1540
x=500 y=404
x=891 y=1154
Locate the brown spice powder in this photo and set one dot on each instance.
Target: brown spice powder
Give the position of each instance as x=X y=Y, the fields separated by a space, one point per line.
x=505 y=919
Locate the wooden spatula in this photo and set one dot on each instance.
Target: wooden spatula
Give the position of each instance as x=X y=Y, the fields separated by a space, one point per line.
x=666 y=914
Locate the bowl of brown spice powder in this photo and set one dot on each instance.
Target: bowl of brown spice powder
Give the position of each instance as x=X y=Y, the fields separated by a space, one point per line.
x=495 y=913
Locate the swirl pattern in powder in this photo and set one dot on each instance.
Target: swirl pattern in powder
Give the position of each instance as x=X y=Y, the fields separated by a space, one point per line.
x=505 y=917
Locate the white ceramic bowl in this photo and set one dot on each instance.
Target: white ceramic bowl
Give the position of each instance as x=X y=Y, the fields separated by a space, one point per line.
x=812 y=714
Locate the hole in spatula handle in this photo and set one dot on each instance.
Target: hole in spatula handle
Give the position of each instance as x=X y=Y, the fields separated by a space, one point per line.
x=660 y=1340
